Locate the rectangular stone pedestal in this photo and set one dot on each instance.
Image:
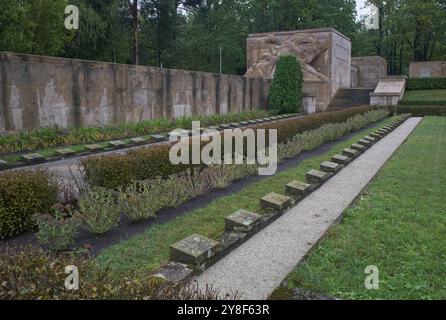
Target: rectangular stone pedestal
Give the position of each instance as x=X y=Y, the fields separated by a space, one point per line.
x=275 y=201
x=297 y=188
x=193 y=250
x=316 y=176
x=329 y=167
x=358 y=147
x=340 y=159
x=350 y=152
x=242 y=221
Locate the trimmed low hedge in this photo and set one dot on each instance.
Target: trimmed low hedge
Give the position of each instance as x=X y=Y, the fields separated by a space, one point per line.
x=23 y=194
x=421 y=111
x=426 y=83
x=423 y=102
x=112 y=171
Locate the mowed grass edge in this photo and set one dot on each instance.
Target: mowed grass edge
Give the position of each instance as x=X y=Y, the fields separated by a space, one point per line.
x=398 y=225
x=146 y=252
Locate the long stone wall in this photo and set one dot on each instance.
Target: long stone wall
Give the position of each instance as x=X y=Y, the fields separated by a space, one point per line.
x=38 y=91
x=427 y=69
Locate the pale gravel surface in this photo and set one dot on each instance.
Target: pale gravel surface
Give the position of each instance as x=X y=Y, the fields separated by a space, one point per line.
x=258 y=266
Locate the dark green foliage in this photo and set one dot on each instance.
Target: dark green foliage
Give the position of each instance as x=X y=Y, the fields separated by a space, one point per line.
x=421 y=111
x=426 y=83
x=423 y=102
x=22 y=195
x=112 y=171
x=285 y=95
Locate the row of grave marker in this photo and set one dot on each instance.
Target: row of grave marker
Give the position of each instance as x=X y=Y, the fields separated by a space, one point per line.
x=35 y=158
x=196 y=252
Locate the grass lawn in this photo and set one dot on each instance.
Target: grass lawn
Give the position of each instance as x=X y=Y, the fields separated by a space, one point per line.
x=423 y=95
x=398 y=225
x=148 y=251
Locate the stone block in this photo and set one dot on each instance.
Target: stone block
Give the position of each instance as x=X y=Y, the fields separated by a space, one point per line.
x=364 y=142
x=193 y=250
x=3 y=163
x=118 y=144
x=244 y=123
x=376 y=135
x=235 y=124
x=275 y=201
x=350 y=152
x=370 y=138
x=242 y=221
x=65 y=152
x=94 y=147
x=158 y=137
x=138 y=140
x=297 y=188
x=260 y=120
x=358 y=147
x=329 y=167
x=33 y=158
x=316 y=176
x=252 y=121
x=225 y=126
x=340 y=159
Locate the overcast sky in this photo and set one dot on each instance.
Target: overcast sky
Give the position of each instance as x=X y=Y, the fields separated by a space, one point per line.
x=360 y=4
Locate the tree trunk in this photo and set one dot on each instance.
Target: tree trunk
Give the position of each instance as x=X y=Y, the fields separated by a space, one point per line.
x=134 y=13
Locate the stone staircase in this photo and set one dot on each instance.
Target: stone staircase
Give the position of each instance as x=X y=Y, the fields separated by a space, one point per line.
x=350 y=97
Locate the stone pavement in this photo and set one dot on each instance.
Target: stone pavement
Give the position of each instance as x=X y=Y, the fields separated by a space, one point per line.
x=257 y=267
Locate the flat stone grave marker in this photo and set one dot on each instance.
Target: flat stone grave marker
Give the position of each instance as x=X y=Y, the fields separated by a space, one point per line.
x=65 y=152
x=3 y=163
x=117 y=144
x=94 y=147
x=340 y=159
x=275 y=201
x=33 y=157
x=242 y=220
x=357 y=146
x=350 y=152
x=364 y=142
x=235 y=124
x=297 y=188
x=316 y=176
x=225 y=126
x=213 y=128
x=369 y=138
x=260 y=120
x=268 y=119
x=158 y=137
x=193 y=250
x=252 y=121
x=138 y=140
x=244 y=123
x=330 y=167
x=376 y=135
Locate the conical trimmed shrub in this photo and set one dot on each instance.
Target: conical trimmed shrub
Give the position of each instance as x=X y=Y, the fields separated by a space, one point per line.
x=285 y=95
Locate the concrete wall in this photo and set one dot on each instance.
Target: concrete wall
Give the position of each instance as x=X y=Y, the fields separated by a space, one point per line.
x=38 y=91
x=427 y=69
x=368 y=71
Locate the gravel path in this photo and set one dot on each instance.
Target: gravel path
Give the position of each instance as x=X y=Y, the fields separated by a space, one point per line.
x=257 y=267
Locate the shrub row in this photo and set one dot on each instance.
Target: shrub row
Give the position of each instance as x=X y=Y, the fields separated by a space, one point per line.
x=112 y=171
x=29 y=273
x=56 y=136
x=423 y=102
x=22 y=195
x=421 y=111
x=426 y=83
x=100 y=209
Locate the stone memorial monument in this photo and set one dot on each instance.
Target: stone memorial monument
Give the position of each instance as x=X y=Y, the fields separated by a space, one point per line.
x=325 y=56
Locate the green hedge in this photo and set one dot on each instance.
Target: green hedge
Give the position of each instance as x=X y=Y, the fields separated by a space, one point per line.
x=285 y=95
x=23 y=194
x=423 y=102
x=421 y=111
x=426 y=83
x=112 y=171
